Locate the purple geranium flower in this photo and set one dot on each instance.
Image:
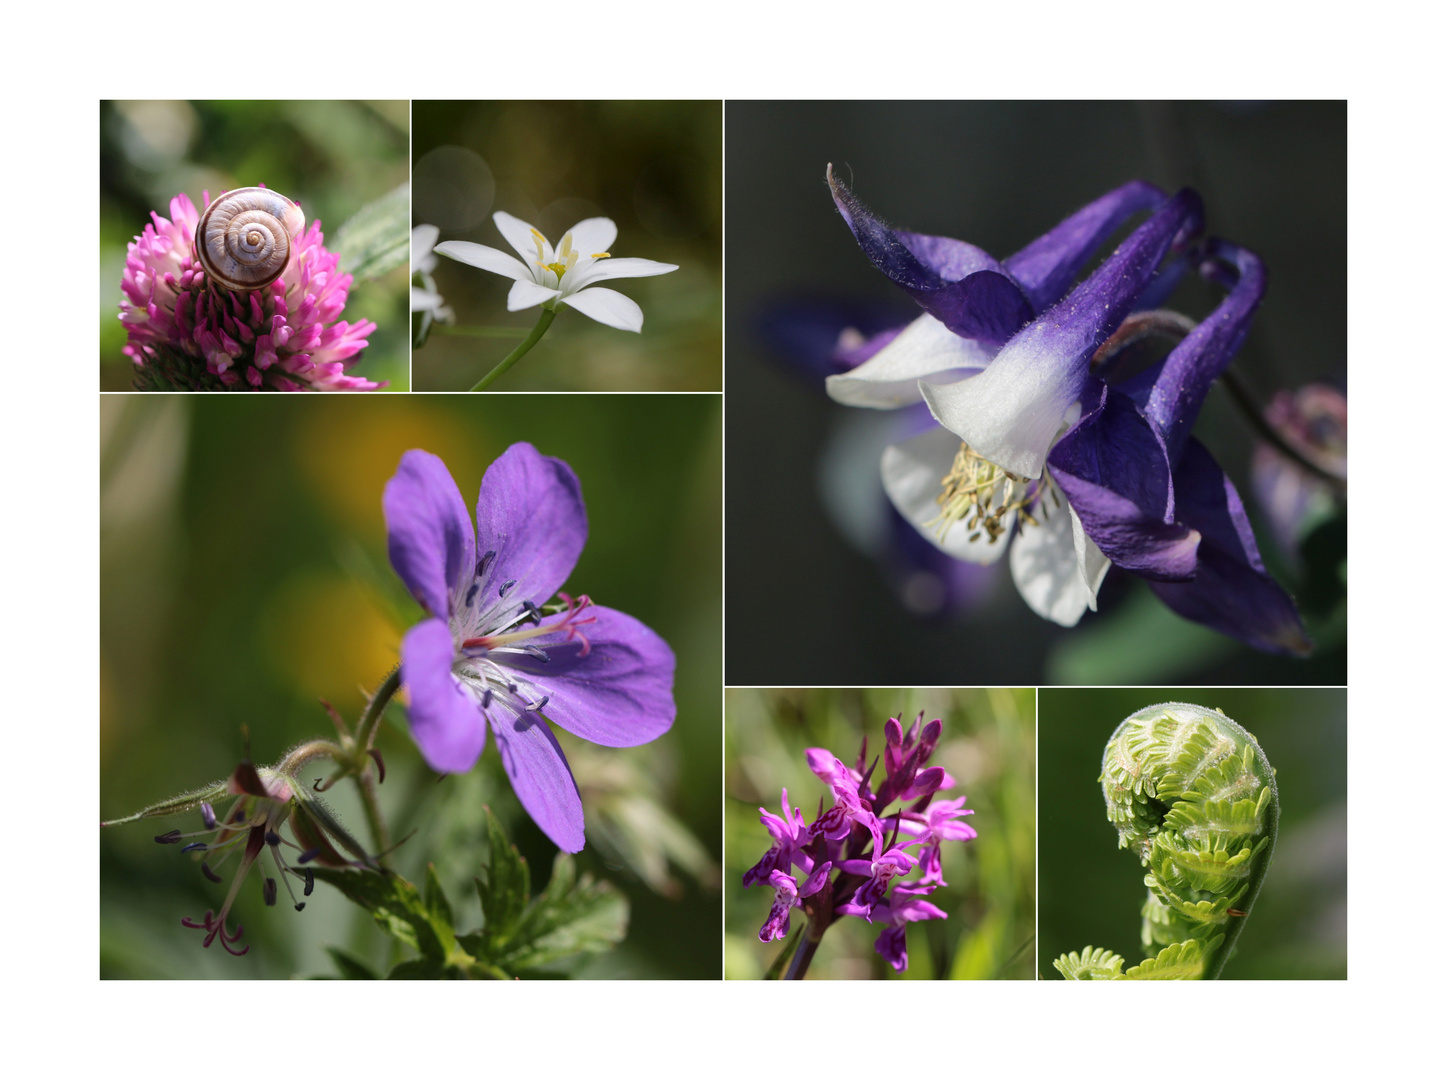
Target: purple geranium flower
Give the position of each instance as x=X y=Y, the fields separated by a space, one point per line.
x=491 y=655
x=1034 y=452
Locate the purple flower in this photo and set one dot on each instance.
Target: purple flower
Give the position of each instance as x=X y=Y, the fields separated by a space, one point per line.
x=1036 y=453
x=491 y=655
x=936 y=824
x=189 y=331
x=790 y=834
x=787 y=893
x=897 y=912
x=1314 y=421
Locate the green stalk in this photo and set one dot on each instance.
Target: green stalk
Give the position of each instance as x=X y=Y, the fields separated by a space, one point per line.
x=367 y=727
x=544 y=321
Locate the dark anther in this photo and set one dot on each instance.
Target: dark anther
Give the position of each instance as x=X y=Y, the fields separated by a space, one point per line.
x=487 y=697
x=533 y=613
x=197 y=846
x=484 y=562
x=506 y=585
x=376 y=755
x=273 y=837
x=472 y=594
x=310 y=882
x=300 y=906
x=240 y=815
x=268 y=892
x=172 y=837
x=536 y=705
x=308 y=856
x=208 y=815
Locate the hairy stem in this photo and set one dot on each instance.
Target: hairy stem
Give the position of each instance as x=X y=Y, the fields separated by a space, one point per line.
x=367 y=727
x=545 y=320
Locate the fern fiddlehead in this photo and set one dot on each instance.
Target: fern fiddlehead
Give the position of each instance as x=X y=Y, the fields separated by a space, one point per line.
x=1192 y=795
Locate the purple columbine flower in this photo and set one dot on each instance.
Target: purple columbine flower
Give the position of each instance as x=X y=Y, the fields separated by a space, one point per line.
x=859 y=841
x=1034 y=452
x=283 y=336
x=491 y=654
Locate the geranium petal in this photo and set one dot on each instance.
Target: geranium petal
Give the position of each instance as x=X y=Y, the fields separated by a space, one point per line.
x=608 y=307
x=445 y=718
x=1045 y=267
x=1231 y=591
x=620 y=693
x=925 y=349
x=912 y=472
x=1047 y=569
x=1113 y=469
x=484 y=258
x=540 y=776
x=1011 y=412
x=593 y=236
x=530 y=514
x=429 y=536
x=526 y=294
x=519 y=234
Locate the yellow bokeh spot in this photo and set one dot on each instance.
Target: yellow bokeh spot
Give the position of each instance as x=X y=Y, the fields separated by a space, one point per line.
x=329 y=637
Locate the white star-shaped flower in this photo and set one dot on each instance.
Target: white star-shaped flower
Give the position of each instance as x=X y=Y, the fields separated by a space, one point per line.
x=570 y=273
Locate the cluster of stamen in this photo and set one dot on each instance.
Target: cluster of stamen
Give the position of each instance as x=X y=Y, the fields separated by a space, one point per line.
x=566 y=256
x=981 y=495
x=249 y=827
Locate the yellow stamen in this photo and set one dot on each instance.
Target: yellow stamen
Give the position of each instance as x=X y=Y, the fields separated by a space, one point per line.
x=980 y=494
x=600 y=255
x=541 y=241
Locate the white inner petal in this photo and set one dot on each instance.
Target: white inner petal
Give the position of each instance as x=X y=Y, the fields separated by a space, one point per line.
x=925 y=349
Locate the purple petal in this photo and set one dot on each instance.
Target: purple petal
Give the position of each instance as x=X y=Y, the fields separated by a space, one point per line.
x=429 y=537
x=1194 y=364
x=446 y=720
x=540 y=776
x=1112 y=467
x=1231 y=592
x=956 y=282
x=530 y=511
x=1011 y=412
x=619 y=694
x=1046 y=267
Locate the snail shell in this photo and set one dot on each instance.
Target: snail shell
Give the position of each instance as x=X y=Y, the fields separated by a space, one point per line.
x=244 y=238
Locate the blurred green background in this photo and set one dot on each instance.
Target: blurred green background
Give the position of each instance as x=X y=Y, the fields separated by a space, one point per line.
x=1091 y=892
x=654 y=167
x=998 y=174
x=244 y=575
x=988 y=745
x=331 y=157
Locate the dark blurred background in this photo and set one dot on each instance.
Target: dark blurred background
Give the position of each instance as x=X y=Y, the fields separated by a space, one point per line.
x=1091 y=891
x=331 y=157
x=654 y=167
x=1273 y=176
x=988 y=746
x=244 y=575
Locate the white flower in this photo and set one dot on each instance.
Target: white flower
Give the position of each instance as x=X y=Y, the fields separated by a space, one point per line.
x=569 y=273
x=426 y=298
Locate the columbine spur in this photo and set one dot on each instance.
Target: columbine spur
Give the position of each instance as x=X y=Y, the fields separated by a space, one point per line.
x=490 y=654
x=185 y=332
x=568 y=274
x=1036 y=452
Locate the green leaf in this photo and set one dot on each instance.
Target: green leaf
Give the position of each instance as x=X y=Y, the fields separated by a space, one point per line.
x=396 y=906
x=503 y=888
x=776 y=969
x=349 y=966
x=1091 y=964
x=376 y=238
x=571 y=916
x=426 y=968
x=439 y=911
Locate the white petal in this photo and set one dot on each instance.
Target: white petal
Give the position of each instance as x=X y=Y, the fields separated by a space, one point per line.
x=1090 y=560
x=593 y=236
x=912 y=472
x=422 y=300
x=519 y=234
x=609 y=308
x=925 y=349
x=424 y=238
x=485 y=258
x=1047 y=571
x=526 y=294
x=581 y=276
x=1010 y=412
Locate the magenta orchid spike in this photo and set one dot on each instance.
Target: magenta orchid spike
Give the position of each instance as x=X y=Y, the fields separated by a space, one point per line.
x=856 y=854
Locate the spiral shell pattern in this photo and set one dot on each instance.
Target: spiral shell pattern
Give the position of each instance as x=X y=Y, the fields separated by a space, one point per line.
x=1192 y=795
x=244 y=239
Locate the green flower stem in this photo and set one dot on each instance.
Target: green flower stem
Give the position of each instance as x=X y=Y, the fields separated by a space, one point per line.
x=381 y=838
x=366 y=784
x=367 y=727
x=545 y=320
x=477 y=331
x=799 y=966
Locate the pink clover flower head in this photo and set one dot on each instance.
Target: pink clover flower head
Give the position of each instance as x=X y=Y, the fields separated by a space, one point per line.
x=185 y=331
x=492 y=653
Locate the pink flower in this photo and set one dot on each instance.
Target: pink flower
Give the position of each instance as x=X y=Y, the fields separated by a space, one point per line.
x=186 y=332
